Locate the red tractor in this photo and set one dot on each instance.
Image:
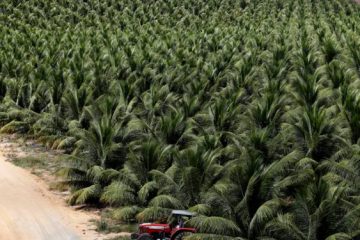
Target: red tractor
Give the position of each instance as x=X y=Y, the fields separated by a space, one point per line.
x=174 y=230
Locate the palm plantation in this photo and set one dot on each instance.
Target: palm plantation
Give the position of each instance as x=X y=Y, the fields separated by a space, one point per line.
x=244 y=112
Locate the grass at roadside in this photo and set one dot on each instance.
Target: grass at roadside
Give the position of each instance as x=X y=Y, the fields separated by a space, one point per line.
x=29 y=154
x=30 y=162
x=44 y=165
x=107 y=224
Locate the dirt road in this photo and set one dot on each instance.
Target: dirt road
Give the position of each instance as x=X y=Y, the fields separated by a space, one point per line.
x=26 y=212
x=29 y=210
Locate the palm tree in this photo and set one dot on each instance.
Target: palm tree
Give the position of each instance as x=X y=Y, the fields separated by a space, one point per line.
x=351 y=109
x=317 y=134
x=353 y=56
x=319 y=213
x=267 y=112
x=74 y=101
x=248 y=200
x=245 y=112
x=172 y=127
x=330 y=49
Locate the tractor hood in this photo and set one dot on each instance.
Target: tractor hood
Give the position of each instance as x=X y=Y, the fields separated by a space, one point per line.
x=155 y=226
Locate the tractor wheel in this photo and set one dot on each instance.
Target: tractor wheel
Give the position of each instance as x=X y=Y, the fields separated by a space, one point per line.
x=181 y=235
x=145 y=236
x=134 y=236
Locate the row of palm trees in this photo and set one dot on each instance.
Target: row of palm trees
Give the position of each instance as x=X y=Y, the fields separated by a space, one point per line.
x=245 y=112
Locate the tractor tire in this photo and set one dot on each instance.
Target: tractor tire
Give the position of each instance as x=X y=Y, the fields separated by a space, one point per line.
x=181 y=235
x=145 y=236
x=134 y=236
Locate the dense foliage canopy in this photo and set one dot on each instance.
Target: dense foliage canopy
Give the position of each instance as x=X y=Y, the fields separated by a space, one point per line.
x=246 y=112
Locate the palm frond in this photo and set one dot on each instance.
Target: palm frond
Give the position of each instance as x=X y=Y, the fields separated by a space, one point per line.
x=118 y=194
x=215 y=225
x=126 y=214
x=86 y=195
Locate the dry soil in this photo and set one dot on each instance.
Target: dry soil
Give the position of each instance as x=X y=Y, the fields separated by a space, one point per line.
x=30 y=211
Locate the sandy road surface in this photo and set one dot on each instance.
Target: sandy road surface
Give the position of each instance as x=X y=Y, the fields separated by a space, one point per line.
x=29 y=210
x=26 y=213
